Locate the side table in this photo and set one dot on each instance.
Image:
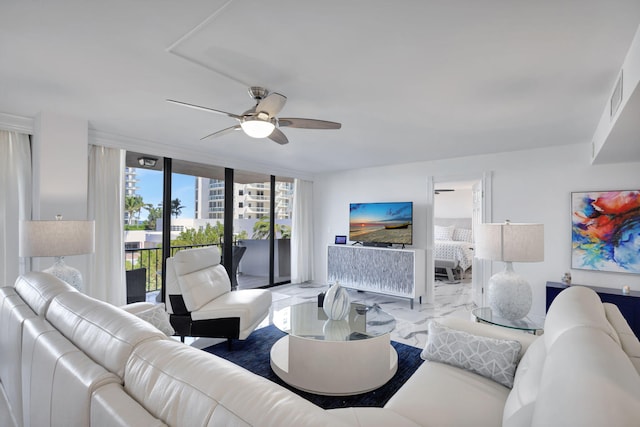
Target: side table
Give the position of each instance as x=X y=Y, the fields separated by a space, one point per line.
x=485 y=315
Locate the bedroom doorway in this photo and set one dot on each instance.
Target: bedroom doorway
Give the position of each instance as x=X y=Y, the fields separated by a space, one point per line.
x=455 y=205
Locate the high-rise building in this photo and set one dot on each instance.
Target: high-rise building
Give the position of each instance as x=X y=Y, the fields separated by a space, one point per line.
x=130 y=182
x=250 y=201
x=130 y=187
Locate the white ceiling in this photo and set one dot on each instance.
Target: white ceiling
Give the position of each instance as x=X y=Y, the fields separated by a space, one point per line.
x=408 y=80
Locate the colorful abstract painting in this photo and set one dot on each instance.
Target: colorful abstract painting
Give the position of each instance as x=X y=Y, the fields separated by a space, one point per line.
x=606 y=231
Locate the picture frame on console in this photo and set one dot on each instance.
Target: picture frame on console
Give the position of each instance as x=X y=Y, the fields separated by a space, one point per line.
x=605 y=229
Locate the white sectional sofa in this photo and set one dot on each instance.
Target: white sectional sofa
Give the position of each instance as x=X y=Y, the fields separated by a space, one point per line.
x=69 y=360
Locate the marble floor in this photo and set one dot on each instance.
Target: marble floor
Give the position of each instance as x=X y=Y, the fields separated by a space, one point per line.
x=411 y=324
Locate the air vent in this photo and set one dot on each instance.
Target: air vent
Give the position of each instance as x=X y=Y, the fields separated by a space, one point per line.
x=616 y=98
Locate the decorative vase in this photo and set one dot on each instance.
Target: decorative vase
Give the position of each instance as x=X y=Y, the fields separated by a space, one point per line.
x=508 y=294
x=336 y=330
x=336 y=303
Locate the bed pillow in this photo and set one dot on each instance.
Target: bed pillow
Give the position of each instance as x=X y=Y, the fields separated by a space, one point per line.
x=443 y=233
x=493 y=358
x=463 y=235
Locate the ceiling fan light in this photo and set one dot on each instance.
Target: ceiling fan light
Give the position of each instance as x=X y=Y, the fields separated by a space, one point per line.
x=257 y=128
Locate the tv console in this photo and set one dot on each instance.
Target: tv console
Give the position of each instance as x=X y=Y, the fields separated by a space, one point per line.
x=396 y=272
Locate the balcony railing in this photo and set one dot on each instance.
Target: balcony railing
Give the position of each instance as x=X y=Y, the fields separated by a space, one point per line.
x=151 y=260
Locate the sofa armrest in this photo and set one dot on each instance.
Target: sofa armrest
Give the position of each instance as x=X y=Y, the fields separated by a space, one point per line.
x=628 y=341
x=111 y=406
x=490 y=331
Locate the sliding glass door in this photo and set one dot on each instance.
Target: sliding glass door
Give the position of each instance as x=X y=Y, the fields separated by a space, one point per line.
x=247 y=215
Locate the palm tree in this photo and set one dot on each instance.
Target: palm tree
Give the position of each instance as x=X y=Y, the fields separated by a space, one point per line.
x=133 y=205
x=261 y=228
x=154 y=214
x=176 y=207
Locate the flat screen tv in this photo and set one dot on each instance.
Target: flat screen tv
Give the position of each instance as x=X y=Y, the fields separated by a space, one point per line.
x=381 y=224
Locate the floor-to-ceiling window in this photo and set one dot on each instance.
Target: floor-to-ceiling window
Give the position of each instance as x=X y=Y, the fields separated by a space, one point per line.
x=283 y=211
x=143 y=222
x=203 y=208
x=252 y=223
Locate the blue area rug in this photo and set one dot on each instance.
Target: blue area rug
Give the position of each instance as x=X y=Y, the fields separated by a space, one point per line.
x=253 y=355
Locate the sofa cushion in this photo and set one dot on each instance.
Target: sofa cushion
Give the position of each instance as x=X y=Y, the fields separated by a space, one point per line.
x=59 y=379
x=250 y=305
x=492 y=358
x=628 y=339
x=587 y=381
x=573 y=307
x=182 y=385
x=202 y=286
x=440 y=395
x=200 y=276
x=154 y=314
x=13 y=313
x=37 y=289
x=106 y=333
x=520 y=404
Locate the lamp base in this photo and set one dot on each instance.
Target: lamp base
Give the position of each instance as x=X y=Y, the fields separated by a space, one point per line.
x=509 y=295
x=66 y=273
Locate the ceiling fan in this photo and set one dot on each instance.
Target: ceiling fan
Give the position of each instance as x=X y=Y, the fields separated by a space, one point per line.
x=260 y=121
x=443 y=190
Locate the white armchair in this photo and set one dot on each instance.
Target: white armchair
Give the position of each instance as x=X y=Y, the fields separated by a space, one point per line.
x=200 y=301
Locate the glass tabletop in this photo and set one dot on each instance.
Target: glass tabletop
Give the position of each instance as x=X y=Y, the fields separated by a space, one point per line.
x=307 y=320
x=485 y=314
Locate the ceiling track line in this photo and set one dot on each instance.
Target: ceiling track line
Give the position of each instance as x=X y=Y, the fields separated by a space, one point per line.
x=198 y=27
x=207 y=67
x=172 y=49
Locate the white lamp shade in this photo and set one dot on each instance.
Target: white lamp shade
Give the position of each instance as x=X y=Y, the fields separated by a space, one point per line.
x=511 y=242
x=56 y=238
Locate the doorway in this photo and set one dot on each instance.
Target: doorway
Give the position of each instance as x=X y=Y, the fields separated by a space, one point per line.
x=455 y=205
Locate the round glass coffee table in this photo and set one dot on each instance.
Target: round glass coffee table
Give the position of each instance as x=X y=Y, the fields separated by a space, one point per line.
x=334 y=357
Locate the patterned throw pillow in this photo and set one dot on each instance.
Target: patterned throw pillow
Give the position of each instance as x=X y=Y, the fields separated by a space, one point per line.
x=158 y=318
x=442 y=233
x=490 y=357
x=463 y=235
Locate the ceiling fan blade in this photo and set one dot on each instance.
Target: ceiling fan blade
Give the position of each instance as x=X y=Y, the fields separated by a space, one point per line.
x=278 y=137
x=210 y=110
x=272 y=104
x=222 y=132
x=308 y=123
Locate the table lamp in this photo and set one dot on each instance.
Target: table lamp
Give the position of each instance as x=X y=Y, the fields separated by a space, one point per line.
x=58 y=239
x=508 y=294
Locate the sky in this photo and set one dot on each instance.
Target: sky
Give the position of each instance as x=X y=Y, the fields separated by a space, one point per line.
x=150 y=188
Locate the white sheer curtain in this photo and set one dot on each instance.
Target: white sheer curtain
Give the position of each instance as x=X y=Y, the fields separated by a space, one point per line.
x=302 y=232
x=106 y=200
x=15 y=201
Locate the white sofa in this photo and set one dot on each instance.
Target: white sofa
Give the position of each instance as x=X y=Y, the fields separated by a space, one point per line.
x=69 y=360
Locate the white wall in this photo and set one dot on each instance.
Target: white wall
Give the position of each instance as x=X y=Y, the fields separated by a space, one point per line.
x=528 y=186
x=453 y=204
x=60 y=168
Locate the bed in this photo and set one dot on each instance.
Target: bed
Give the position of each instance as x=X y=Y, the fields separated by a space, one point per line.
x=453 y=247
